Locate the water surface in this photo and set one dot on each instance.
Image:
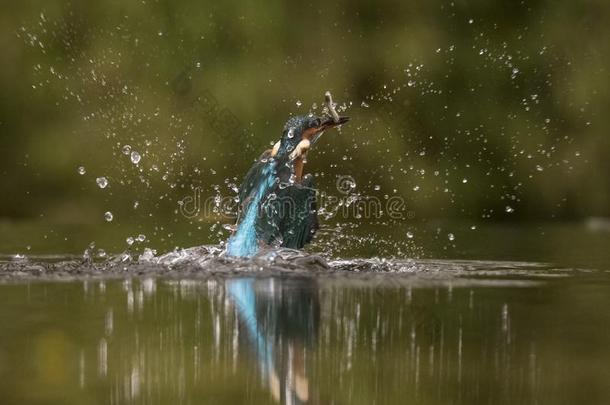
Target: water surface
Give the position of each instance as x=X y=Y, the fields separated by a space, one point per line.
x=437 y=332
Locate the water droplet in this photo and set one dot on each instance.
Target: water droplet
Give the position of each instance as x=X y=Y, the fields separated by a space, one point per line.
x=141 y=238
x=108 y=216
x=451 y=236
x=410 y=235
x=299 y=103
x=81 y=170
x=509 y=209
x=470 y=21
x=135 y=157
x=539 y=168
x=102 y=182
x=473 y=227
x=364 y=105
x=464 y=181
x=129 y=241
x=377 y=187
x=126 y=149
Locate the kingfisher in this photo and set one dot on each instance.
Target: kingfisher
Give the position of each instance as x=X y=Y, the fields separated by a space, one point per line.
x=277 y=201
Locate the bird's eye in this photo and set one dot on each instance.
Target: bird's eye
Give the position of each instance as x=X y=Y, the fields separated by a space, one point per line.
x=317 y=123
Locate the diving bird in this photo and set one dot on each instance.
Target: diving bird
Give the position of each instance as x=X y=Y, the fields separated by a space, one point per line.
x=277 y=202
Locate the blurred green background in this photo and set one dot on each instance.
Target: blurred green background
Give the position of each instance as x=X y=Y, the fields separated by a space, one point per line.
x=468 y=110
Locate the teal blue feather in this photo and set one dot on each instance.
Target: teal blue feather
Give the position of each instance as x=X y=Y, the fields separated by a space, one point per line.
x=259 y=182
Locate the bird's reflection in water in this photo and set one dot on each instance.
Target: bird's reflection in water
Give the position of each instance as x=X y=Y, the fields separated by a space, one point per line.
x=251 y=341
x=281 y=317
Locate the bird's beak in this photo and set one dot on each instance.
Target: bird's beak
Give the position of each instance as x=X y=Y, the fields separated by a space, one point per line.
x=329 y=122
x=326 y=123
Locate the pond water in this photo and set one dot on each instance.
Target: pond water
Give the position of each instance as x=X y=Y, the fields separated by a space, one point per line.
x=306 y=330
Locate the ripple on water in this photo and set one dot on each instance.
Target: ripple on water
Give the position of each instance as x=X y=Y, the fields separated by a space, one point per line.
x=209 y=261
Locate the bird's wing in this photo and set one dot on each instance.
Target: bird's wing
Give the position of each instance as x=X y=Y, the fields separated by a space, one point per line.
x=298 y=220
x=290 y=215
x=252 y=177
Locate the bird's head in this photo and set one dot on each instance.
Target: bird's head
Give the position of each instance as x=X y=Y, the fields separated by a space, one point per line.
x=301 y=132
